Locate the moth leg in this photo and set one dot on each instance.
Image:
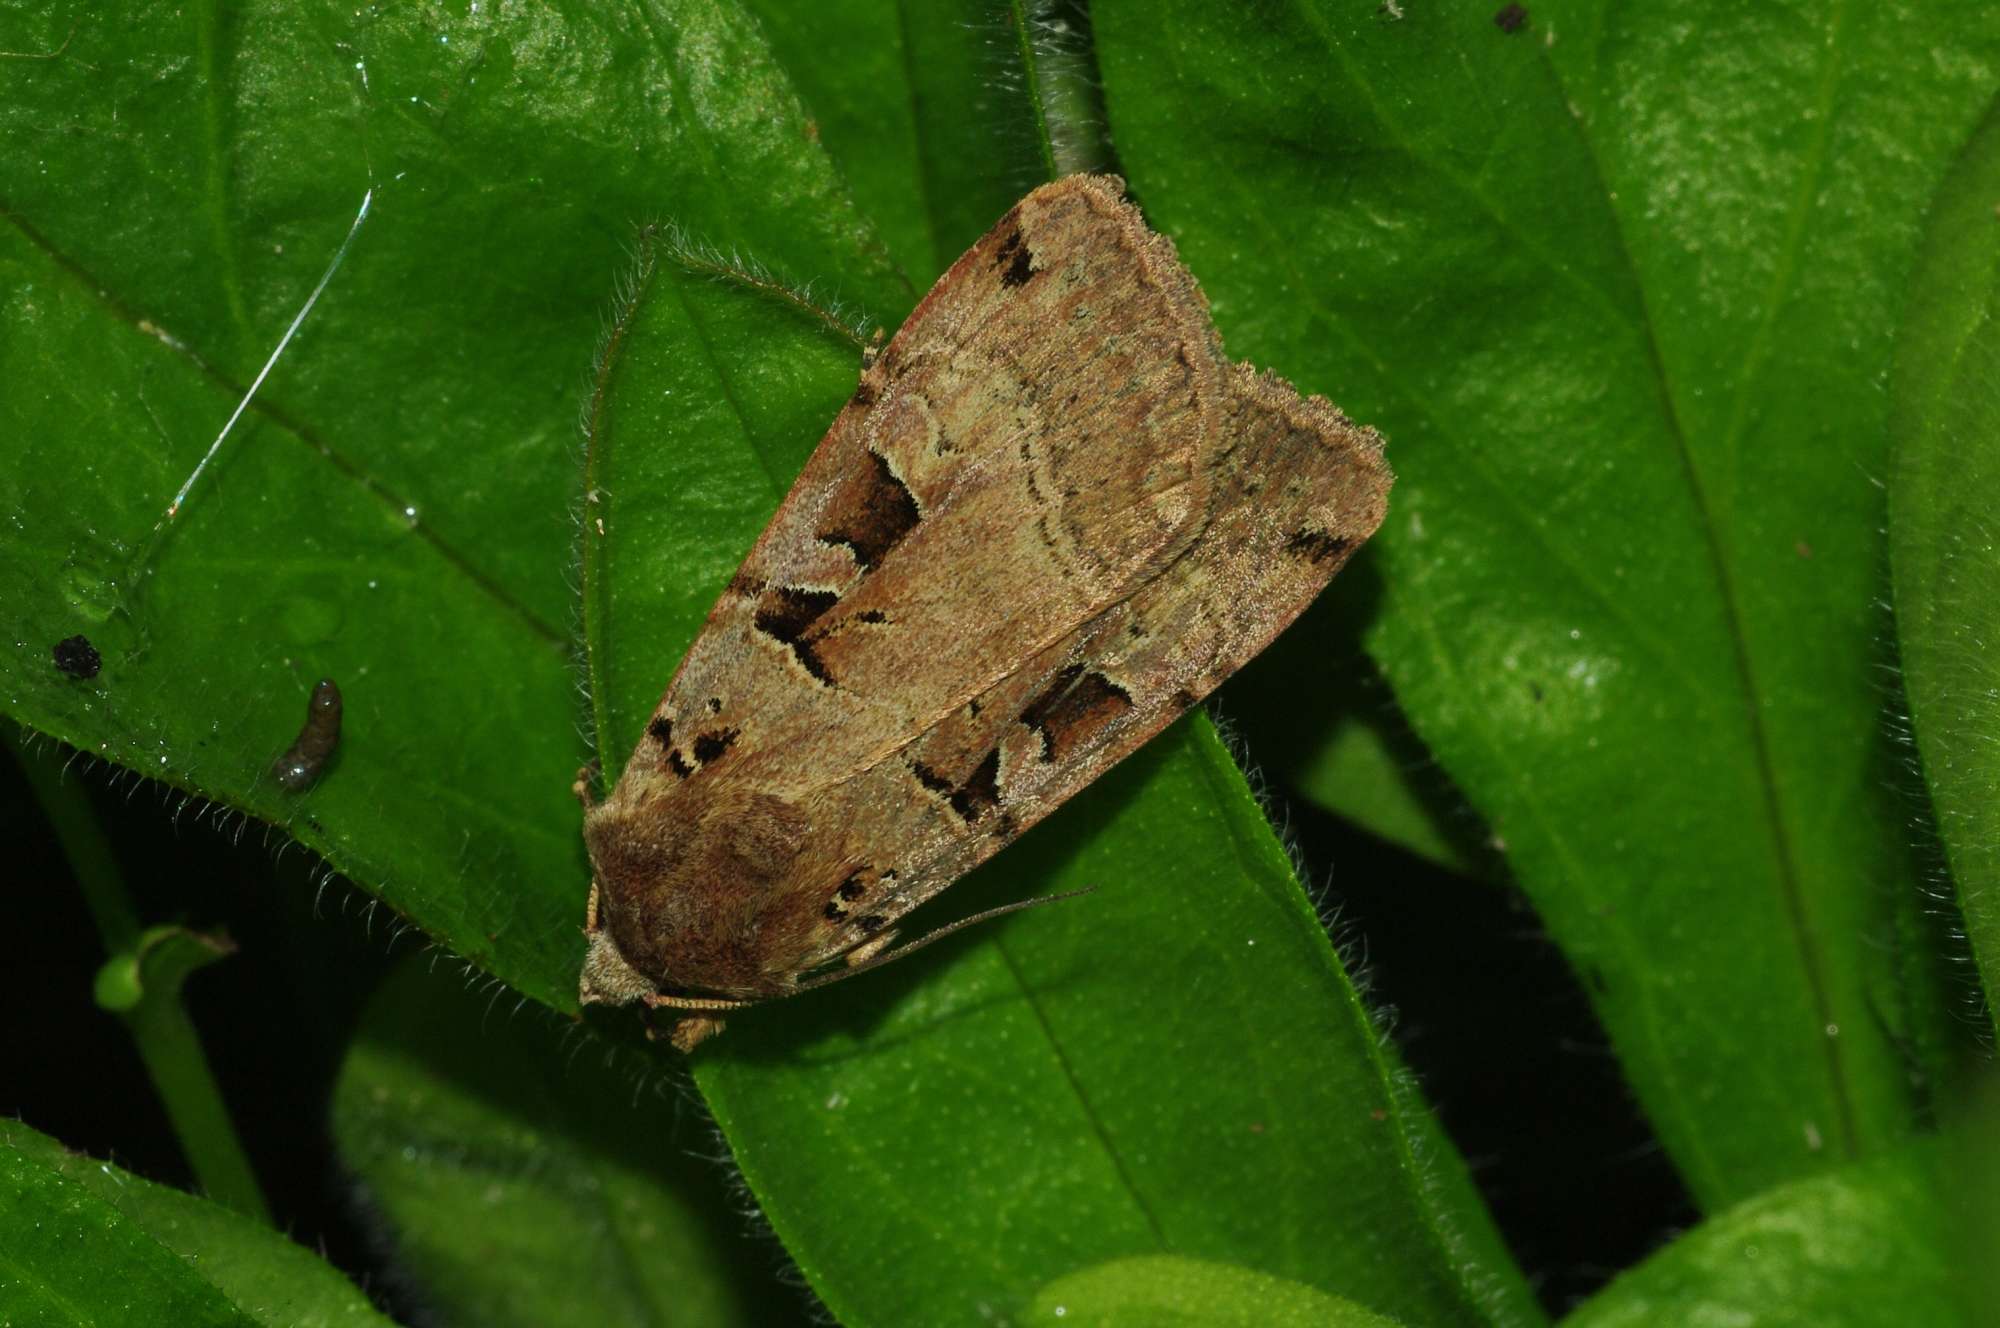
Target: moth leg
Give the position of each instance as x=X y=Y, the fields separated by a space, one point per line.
x=869 y=948
x=689 y=1033
x=873 y=350
x=585 y=777
x=590 y=912
x=690 y=1030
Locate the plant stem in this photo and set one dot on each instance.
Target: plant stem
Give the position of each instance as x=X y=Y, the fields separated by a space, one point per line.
x=141 y=983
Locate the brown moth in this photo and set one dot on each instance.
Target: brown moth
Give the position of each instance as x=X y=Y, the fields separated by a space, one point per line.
x=1053 y=516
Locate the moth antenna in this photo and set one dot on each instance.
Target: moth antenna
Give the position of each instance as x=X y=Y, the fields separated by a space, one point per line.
x=891 y=956
x=659 y=1001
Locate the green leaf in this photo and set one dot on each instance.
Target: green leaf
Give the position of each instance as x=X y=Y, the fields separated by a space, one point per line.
x=69 y=1257
x=395 y=512
x=84 y=1242
x=1943 y=492
x=928 y=109
x=518 y=1175
x=1617 y=285
x=1859 y=1246
x=1176 y=1062
x=1342 y=745
x=1969 y=1189
x=1163 y=1290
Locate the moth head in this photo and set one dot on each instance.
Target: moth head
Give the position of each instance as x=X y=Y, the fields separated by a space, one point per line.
x=685 y=887
x=607 y=978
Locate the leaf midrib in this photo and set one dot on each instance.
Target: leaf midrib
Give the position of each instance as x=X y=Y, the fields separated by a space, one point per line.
x=1777 y=825
x=1219 y=767
x=1099 y=1130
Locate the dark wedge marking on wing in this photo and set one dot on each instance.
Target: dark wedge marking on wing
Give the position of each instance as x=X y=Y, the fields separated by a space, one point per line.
x=786 y=613
x=1316 y=546
x=979 y=793
x=661 y=730
x=848 y=892
x=870 y=512
x=710 y=746
x=1074 y=708
x=1015 y=259
x=981 y=790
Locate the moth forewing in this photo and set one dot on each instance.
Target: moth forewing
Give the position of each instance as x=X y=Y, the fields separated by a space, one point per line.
x=1052 y=518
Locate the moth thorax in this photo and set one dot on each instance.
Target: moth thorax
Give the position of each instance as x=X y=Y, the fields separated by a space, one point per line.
x=607 y=978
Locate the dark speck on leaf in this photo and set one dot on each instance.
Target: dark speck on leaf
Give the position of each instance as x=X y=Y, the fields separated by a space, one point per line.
x=78 y=658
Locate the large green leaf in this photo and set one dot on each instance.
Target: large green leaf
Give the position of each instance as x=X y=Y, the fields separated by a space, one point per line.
x=1862 y=1245
x=1175 y=1063
x=516 y=1176
x=397 y=511
x=1617 y=283
x=1943 y=494
x=83 y=1242
x=922 y=107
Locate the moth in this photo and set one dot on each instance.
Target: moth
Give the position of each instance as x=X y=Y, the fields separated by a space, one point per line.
x=1051 y=519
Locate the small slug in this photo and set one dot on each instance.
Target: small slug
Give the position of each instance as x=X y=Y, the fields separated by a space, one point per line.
x=306 y=758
